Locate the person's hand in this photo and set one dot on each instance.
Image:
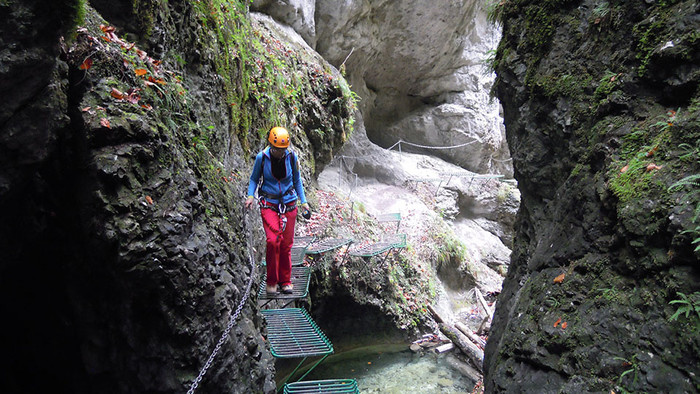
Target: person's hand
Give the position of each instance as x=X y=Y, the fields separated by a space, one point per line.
x=249 y=202
x=305 y=211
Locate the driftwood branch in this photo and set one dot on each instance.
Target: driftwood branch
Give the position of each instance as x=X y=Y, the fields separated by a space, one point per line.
x=483 y=303
x=472 y=337
x=460 y=340
x=436 y=316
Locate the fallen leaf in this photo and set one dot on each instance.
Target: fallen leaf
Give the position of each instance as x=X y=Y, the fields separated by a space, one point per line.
x=624 y=169
x=556 y=323
x=141 y=54
x=106 y=38
x=652 y=151
x=652 y=167
x=140 y=71
x=107 y=29
x=559 y=278
x=86 y=64
x=105 y=123
x=147 y=107
x=117 y=94
x=563 y=325
x=149 y=200
x=86 y=109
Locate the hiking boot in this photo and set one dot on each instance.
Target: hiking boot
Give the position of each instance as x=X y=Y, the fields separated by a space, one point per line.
x=288 y=289
x=271 y=289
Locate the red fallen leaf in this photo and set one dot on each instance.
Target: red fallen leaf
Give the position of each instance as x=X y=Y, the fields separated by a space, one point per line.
x=133 y=98
x=156 y=62
x=117 y=94
x=559 y=278
x=147 y=107
x=624 y=169
x=105 y=123
x=130 y=47
x=556 y=323
x=141 y=54
x=652 y=151
x=106 y=38
x=107 y=29
x=149 y=200
x=86 y=64
x=86 y=109
x=563 y=325
x=140 y=72
x=652 y=167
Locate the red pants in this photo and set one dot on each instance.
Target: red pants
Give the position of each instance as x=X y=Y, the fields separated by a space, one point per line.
x=279 y=245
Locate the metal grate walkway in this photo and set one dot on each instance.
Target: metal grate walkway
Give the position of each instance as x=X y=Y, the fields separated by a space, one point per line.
x=300 y=280
x=303 y=241
x=322 y=386
x=298 y=254
x=391 y=241
x=327 y=244
x=292 y=334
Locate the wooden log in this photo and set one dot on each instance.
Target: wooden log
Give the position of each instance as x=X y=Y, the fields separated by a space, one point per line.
x=483 y=303
x=464 y=368
x=484 y=327
x=444 y=348
x=438 y=319
x=472 y=337
x=475 y=354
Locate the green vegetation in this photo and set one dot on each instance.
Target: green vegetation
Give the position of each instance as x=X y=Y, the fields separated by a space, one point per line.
x=266 y=83
x=688 y=306
x=633 y=368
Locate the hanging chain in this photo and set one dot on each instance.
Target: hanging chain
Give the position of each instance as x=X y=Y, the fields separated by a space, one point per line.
x=234 y=317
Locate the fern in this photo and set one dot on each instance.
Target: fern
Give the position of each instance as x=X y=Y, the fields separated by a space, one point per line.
x=692 y=180
x=688 y=304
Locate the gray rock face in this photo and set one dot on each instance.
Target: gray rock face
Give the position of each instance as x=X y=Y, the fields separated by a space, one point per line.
x=418 y=69
x=125 y=251
x=599 y=251
x=299 y=14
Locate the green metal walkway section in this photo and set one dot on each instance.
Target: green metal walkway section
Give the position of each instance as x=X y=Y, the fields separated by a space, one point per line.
x=391 y=241
x=322 y=386
x=293 y=334
x=291 y=331
x=300 y=280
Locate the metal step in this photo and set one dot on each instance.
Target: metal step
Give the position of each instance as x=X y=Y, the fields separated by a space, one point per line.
x=293 y=334
x=322 y=386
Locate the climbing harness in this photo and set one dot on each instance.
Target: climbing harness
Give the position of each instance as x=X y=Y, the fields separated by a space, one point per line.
x=234 y=317
x=281 y=210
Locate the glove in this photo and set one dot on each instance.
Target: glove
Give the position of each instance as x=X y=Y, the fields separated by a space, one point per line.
x=305 y=211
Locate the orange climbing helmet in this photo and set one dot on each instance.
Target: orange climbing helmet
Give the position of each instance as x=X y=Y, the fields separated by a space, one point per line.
x=279 y=137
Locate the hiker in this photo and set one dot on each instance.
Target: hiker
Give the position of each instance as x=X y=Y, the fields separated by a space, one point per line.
x=276 y=176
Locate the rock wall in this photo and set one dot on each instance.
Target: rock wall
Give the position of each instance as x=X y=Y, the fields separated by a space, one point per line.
x=420 y=72
x=601 y=108
x=125 y=147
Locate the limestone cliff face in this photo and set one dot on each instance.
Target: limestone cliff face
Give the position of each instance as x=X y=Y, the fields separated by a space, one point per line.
x=418 y=68
x=602 y=116
x=125 y=147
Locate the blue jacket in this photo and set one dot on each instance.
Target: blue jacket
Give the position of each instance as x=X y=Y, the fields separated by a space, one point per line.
x=290 y=188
